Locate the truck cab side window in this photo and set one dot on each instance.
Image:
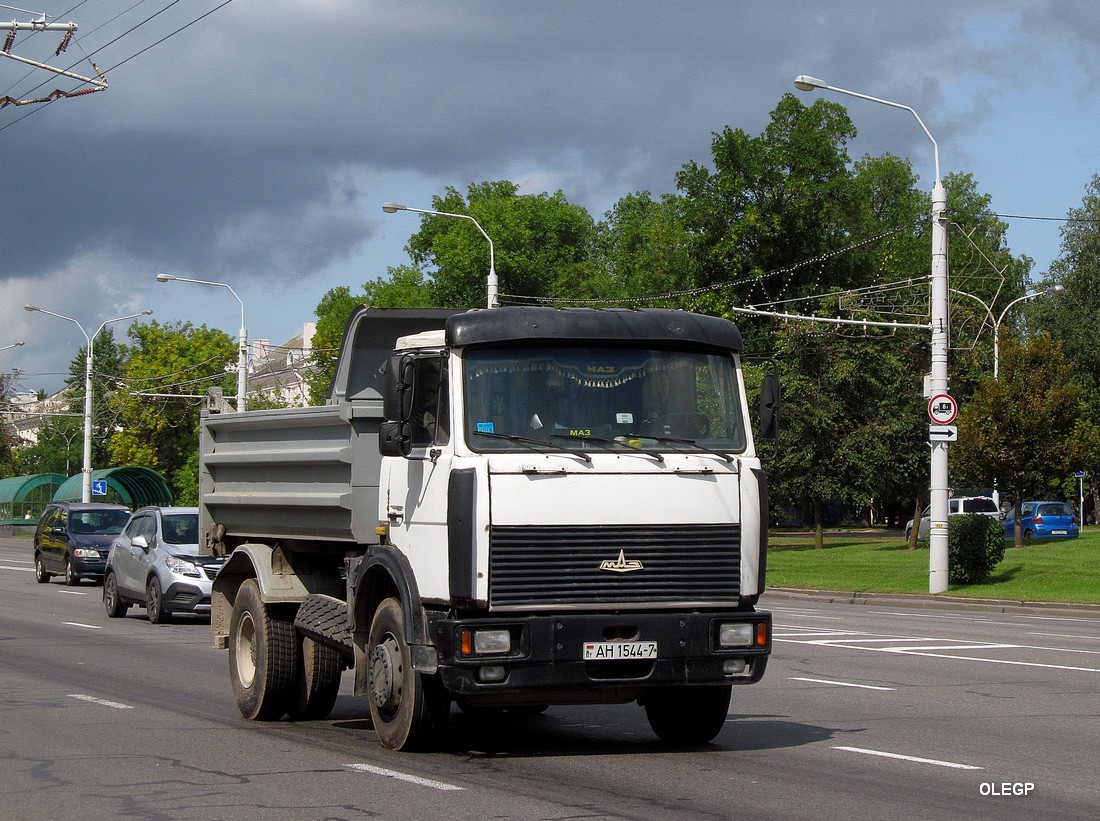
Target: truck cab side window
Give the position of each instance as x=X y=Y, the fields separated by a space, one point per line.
x=431 y=414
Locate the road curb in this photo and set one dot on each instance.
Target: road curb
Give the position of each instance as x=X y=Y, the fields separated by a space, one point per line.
x=930 y=601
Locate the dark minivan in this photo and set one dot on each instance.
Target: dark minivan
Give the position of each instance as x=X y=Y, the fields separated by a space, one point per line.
x=72 y=540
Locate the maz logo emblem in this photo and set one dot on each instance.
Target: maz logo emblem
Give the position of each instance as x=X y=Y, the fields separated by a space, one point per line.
x=621 y=564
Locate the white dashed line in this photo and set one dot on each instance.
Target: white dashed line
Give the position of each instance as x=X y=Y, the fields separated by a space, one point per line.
x=400 y=776
x=841 y=683
x=102 y=702
x=912 y=758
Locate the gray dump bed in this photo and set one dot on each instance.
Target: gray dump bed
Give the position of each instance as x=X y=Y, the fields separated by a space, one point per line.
x=307 y=473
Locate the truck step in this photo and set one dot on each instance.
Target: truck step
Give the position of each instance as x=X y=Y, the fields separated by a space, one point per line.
x=325 y=619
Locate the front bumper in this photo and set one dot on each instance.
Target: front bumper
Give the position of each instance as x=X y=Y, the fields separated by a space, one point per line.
x=546 y=661
x=182 y=597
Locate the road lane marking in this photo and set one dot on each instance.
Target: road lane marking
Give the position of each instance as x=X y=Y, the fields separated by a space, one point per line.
x=102 y=702
x=912 y=758
x=78 y=624
x=841 y=683
x=400 y=776
x=6 y=567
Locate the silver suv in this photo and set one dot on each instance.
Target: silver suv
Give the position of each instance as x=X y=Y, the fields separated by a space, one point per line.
x=956 y=506
x=155 y=562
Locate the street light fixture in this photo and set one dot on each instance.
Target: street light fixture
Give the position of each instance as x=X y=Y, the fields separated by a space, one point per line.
x=996 y=323
x=394 y=207
x=242 y=344
x=86 y=483
x=938 y=491
x=15 y=345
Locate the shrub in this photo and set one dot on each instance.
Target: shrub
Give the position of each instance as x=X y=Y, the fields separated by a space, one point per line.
x=975 y=545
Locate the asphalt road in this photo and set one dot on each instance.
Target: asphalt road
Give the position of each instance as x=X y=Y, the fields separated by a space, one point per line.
x=888 y=710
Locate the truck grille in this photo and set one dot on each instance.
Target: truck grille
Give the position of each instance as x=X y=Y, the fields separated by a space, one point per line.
x=561 y=565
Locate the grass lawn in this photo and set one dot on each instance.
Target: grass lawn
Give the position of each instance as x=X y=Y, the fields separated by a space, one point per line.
x=1046 y=571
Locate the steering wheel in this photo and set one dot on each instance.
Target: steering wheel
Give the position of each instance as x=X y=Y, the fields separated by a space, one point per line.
x=687 y=424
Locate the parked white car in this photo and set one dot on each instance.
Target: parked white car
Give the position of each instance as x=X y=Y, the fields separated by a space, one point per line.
x=956 y=506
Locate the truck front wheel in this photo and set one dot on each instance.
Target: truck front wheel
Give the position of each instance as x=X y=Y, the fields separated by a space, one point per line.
x=261 y=656
x=408 y=708
x=688 y=715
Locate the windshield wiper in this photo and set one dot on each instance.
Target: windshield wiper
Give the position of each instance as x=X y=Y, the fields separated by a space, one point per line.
x=676 y=441
x=534 y=444
x=610 y=444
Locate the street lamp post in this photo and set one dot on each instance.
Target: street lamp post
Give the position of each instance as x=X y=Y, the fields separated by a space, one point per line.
x=14 y=345
x=86 y=483
x=996 y=323
x=938 y=491
x=394 y=207
x=242 y=344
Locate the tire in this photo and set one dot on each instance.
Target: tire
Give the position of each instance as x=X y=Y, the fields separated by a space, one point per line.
x=262 y=656
x=1029 y=537
x=154 y=602
x=40 y=573
x=408 y=709
x=688 y=715
x=112 y=601
x=317 y=681
x=70 y=575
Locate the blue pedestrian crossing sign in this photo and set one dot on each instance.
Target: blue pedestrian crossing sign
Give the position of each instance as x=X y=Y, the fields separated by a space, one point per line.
x=99 y=487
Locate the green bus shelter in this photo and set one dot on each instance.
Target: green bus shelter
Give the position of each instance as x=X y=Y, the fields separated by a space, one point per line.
x=131 y=486
x=22 y=498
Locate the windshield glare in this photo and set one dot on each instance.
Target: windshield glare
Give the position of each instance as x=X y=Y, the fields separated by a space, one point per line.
x=601 y=398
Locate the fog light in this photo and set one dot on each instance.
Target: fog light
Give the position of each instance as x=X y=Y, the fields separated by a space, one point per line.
x=735 y=635
x=734 y=667
x=492 y=672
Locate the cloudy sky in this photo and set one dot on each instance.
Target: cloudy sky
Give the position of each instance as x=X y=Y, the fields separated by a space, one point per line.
x=253 y=143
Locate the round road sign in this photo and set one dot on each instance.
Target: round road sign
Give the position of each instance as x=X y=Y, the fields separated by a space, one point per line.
x=942 y=409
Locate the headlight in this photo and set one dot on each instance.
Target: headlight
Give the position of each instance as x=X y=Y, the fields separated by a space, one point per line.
x=485 y=642
x=735 y=635
x=85 y=553
x=182 y=567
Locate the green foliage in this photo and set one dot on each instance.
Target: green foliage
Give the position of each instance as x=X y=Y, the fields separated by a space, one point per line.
x=1018 y=429
x=59 y=449
x=162 y=433
x=185 y=481
x=976 y=545
x=333 y=313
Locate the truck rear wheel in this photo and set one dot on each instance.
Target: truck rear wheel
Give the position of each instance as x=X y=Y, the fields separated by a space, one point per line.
x=688 y=715
x=408 y=708
x=261 y=656
x=317 y=681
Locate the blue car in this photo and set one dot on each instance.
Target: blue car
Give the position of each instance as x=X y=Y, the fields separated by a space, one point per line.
x=1043 y=520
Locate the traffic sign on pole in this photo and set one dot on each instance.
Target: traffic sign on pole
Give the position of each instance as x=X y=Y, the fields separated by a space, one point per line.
x=942 y=409
x=943 y=433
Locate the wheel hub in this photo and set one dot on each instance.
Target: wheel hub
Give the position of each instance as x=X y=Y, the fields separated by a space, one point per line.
x=385 y=675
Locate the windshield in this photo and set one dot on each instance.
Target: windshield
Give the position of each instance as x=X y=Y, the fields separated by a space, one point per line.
x=99 y=522
x=180 y=528
x=602 y=398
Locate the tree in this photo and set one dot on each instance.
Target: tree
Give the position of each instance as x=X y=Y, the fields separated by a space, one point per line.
x=542 y=246
x=1072 y=318
x=162 y=432
x=1015 y=430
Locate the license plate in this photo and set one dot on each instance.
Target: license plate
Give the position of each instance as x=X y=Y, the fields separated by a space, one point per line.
x=617 y=650
x=1059 y=532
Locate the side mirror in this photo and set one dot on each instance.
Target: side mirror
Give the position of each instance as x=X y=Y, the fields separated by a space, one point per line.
x=395 y=438
x=769 y=406
x=397 y=396
x=140 y=541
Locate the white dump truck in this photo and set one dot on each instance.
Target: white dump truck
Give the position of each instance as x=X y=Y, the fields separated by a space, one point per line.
x=503 y=509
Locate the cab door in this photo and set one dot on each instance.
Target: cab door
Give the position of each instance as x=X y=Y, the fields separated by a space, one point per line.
x=414 y=489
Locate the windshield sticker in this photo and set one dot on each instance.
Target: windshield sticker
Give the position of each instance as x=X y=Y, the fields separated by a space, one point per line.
x=485 y=427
